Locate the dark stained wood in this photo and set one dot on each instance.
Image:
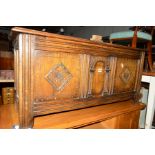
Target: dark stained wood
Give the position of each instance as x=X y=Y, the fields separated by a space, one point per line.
x=55 y=73
x=123 y=115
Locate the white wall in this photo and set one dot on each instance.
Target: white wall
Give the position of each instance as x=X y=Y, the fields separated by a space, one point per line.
x=144 y=100
x=88 y=31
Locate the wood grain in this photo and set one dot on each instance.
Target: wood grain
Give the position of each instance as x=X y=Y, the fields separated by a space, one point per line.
x=23 y=75
x=42 y=108
x=8 y=116
x=124 y=121
x=45 y=38
x=6 y=60
x=55 y=73
x=84 y=117
x=123 y=65
x=149 y=73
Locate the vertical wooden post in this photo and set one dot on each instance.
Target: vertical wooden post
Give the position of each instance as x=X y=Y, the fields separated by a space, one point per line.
x=138 y=81
x=24 y=82
x=134 y=40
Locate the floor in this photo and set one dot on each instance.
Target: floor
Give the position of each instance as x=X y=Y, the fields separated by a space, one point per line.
x=8 y=116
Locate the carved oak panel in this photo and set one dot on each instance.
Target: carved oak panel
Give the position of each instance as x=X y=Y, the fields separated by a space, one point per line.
x=56 y=76
x=59 y=76
x=125 y=76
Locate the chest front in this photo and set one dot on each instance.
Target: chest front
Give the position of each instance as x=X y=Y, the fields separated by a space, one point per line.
x=55 y=74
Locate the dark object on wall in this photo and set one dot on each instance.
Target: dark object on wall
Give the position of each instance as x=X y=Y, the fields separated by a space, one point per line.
x=55 y=73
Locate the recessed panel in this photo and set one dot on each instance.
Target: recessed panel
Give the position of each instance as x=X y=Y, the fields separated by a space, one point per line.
x=56 y=76
x=98 y=78
x=125 y=75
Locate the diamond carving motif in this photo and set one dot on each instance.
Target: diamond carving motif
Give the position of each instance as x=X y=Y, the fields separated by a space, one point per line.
x=59 y=76
x=125 y=75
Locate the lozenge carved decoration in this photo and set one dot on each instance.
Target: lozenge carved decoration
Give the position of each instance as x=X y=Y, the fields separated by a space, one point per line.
x=125 y=75
x=58 y=77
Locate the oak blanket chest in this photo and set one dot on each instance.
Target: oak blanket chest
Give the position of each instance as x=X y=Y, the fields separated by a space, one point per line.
x=56 y=73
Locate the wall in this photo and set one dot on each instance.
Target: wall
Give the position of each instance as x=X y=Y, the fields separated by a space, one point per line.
x=144 y=100
x=87 y=31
